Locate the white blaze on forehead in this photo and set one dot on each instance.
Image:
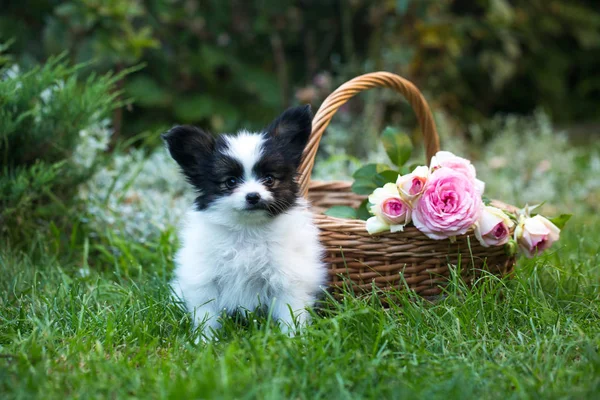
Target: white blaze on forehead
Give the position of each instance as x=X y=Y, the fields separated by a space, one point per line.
x=245 y=147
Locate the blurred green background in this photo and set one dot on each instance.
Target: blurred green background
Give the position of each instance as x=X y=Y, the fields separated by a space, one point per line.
x=87 y=86
x=231 y=64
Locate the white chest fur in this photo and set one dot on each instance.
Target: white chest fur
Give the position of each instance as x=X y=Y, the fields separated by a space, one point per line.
x=276 y=265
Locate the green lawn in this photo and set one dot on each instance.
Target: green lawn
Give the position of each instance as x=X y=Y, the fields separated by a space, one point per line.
x=119 y=335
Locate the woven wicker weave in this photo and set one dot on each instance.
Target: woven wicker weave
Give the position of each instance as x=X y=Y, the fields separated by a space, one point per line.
x=355 y=256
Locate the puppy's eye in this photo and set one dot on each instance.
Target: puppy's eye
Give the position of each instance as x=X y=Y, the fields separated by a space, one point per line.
x=231 y=182
x=268 y=180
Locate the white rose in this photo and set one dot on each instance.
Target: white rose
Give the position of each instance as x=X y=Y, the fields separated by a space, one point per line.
x=389 y=210
x=535 y=234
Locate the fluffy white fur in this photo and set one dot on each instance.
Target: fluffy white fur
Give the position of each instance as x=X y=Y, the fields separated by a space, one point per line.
x=232 y=258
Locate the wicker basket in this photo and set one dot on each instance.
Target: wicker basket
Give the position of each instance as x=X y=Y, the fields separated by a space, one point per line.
x=364 y=260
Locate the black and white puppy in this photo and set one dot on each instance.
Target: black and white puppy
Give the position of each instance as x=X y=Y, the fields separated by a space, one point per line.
x=249 y=242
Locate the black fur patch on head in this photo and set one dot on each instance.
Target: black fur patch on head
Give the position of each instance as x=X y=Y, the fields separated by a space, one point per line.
x=208 y=168
x=201 y=160
x=189 y=146
x=284 y=143
x=291 y=131
x=274 y=164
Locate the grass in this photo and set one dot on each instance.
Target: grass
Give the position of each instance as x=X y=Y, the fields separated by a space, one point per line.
x=116 y=333
x=88 y=313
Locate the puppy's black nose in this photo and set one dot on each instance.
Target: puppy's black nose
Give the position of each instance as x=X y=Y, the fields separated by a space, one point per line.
x=253 y=198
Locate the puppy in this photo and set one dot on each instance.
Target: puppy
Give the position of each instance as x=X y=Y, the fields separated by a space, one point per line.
x=249 y=243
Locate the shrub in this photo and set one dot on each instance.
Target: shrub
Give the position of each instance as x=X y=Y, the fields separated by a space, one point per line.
x=52 y=128
x=137 y=196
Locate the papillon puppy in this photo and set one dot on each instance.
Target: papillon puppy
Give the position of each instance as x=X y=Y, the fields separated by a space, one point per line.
x=249 y=242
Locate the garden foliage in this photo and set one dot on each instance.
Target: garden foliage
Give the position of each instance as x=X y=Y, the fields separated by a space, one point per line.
x=52 y=127
x=226 y=64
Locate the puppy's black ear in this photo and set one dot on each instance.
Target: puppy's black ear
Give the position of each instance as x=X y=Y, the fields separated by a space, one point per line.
x=292 y=130
x=188 y=145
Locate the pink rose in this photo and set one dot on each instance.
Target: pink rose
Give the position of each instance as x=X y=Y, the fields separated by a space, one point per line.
x=535 y=234
x=493 y=227
x=411 y=185
x=445 y=159
x=449 y=205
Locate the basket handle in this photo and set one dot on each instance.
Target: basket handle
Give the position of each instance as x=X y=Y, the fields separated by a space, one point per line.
x=342 y=94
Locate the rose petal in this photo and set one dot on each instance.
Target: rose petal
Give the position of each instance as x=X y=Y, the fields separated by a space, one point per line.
x=488 y=221
x=376 y=225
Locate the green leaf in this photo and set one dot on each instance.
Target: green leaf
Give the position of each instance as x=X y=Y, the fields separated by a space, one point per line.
x=369 y=170
x=372 y=176
x=397 y=145
x=363 y=210
x=364 y=186
x=341 y=212
x=384 y=177
x=561 y=220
